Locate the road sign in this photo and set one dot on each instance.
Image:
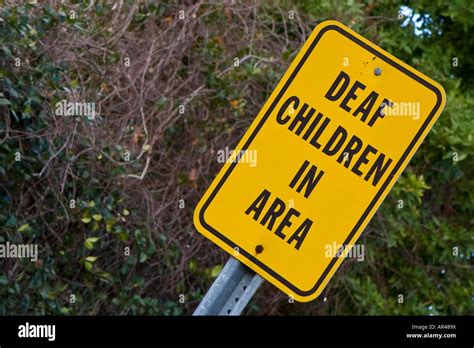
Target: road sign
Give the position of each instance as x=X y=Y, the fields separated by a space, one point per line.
x=318 y=160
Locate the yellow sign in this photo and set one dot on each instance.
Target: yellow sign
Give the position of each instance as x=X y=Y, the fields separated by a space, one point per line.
x=319 y=159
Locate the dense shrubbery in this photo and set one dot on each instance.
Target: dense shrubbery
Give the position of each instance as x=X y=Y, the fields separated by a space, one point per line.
x=68 y=186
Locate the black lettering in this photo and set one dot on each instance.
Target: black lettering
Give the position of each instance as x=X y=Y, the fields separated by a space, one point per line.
x=342 y=77
x=342 y=134
x=295 y=100
x=312 y=126
x=310 y=181
x=299 y=173
x=366 y=106
x=276 y=209
x=379 y=113
x=302 y=119
x=258 y=205
x=349 y=150
x=286 y=222
x=363 y=159
x=351 y=95
x=314 y=139
x=379 y=168
x=300 y=233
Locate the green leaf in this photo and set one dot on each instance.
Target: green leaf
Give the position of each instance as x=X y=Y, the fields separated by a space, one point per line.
x=89 y=243
x=23 y=228
x=97 y=217
x=11 y=221
x=193 y=265
x=109 y=225
x=4 y=102
x=88 y=265
x=216 y=270
x=7 y=51
x=86 y=219
x=91 y=259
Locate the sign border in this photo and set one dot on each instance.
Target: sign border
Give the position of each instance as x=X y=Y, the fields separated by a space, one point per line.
x=439 y=94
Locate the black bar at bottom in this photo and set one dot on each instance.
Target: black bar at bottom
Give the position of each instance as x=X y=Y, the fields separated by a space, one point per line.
x=418 y=330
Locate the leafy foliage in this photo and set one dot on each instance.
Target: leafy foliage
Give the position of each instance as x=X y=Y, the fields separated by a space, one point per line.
x=121 y=245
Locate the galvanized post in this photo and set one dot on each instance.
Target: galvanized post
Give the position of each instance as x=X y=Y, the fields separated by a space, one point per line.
x=231 y=291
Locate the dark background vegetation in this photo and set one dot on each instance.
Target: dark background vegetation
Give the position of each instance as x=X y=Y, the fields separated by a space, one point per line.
x=80 y=56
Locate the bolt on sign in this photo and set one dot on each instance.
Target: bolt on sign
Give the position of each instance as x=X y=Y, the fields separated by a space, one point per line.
x=330 y=142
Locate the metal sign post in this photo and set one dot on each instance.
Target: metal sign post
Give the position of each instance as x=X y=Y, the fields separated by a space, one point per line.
x=231 y=291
